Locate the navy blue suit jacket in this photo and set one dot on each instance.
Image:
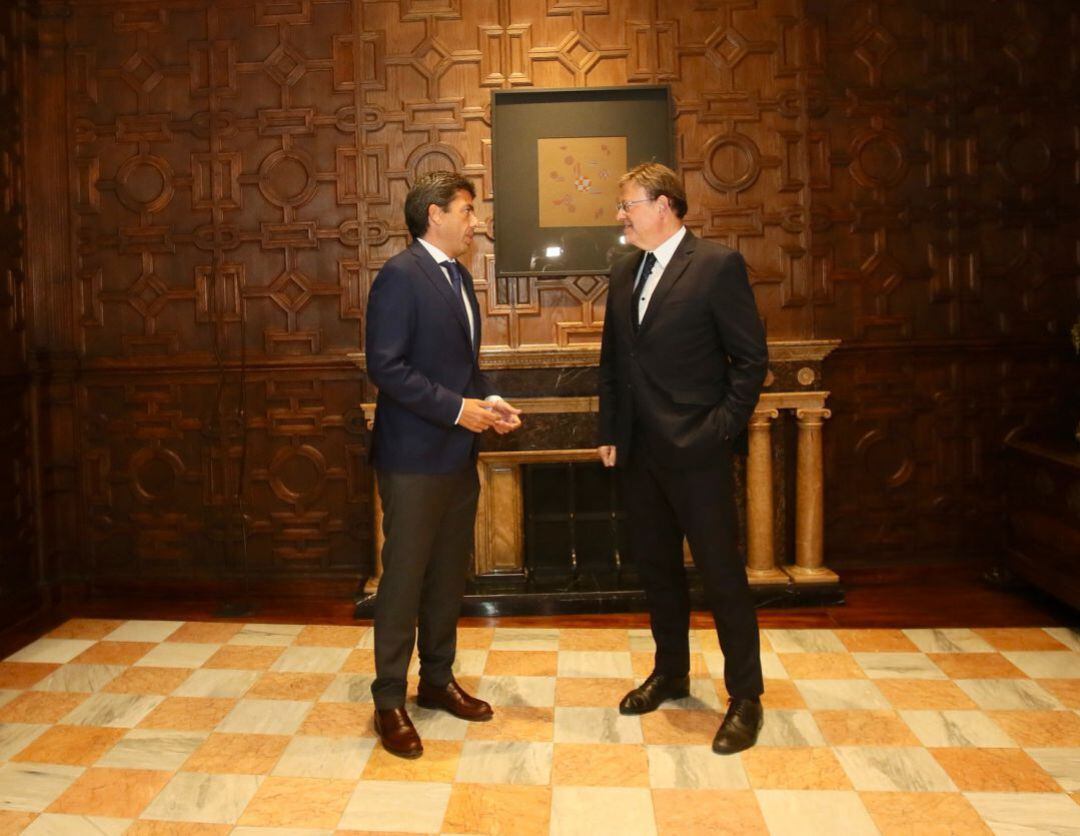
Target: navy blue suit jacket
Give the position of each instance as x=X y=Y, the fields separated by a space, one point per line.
x=420 y=356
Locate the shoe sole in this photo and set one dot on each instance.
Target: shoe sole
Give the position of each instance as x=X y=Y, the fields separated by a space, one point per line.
x=681 y=695
x=435 y=706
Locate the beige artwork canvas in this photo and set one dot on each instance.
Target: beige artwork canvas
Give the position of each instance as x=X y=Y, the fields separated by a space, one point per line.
x=579 y=179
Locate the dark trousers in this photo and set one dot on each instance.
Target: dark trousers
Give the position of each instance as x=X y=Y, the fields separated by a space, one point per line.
x=664 y=504
x=428 y=523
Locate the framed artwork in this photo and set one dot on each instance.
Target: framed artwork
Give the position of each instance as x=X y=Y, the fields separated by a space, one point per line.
x=558 y=156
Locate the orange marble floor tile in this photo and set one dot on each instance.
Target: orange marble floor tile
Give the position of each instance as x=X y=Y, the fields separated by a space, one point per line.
x=821 y=666
x=360 y=661
x=247 y=754
x=936 y=694
x=323 y=635
x=876 y=641
x=709 y=642
x=298 y=802
x=1040 y=729
x=40 y=707
x=499 y=810
x=794 y=769
x=864 y=728
x=587 y=638
x=976 y=666
x=689 y=728
x=439 y=764
x=475 y=638
x=85 y=628
x=994 y=770
x=71 y=745
x=188 y=713
x=244 y=657
x=642 y=664
x=283 y=685
x=1066 y=690
x=205 y=632
x=176 y=828
x=600 y=765
x=22 y=675
x=779 y=693
x=521 y=663
x=512 y=722
x=148 y=681
x=12 y=821
x=929 y=813
x=118 y=793
x=705 y=812
x=114 y=653
x=1019 y=638
x=338 y=719
x=591 y=693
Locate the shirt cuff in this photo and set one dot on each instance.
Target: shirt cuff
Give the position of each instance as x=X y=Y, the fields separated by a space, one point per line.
x=461 y=409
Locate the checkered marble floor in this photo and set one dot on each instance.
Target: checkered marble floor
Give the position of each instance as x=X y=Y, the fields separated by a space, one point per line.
x=164 y=727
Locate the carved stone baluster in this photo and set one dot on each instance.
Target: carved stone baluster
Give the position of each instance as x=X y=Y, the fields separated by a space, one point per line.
x=810 y=500
x=761 y=565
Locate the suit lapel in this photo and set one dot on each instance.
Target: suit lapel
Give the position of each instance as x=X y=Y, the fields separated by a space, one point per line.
x=437 y=277
x=672 y=273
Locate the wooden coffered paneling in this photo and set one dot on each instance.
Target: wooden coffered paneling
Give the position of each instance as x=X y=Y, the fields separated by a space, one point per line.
x=213 y=186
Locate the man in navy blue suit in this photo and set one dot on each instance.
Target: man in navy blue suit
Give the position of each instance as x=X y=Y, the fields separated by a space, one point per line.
x=423 y=347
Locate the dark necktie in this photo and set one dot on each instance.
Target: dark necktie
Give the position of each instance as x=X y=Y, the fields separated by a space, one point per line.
x=455 y=282
x=646 y=268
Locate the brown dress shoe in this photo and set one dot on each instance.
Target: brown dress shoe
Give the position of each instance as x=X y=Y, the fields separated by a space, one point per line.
x=397 y=733
x=653 y=691
x=451 y=698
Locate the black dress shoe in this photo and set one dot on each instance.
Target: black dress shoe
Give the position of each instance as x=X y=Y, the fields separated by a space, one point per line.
x=740 y=727
x=397 y=733
x=452 y=698
x=653 y=691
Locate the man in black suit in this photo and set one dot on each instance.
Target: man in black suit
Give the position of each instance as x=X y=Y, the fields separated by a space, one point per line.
x=681 y=367
x=422 y=348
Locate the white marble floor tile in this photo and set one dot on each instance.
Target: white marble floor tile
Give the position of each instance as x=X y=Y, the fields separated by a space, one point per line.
x=595 y=811
x=55 y=651
x=7 y=696
x=118 y=711
x=805 y=641
x=14 y=737
x=80 y=678
x=505 y=762
x=55 y=824
x=533 y=691
x=893 y=769
x=325 y=757
x=799 y=812
x=937 y=729
x=841 y=694
x=703 y=696
x=596 y=725
x=467 y=662
x=1027 y=813
x=404 y=807
x=178 y=655
x=641 y=641
x=949 y=640
x=152 y=749
x=349 y=687
x=304 y=659
x=435 y=724
x=694 y=768
x=267 y=635
x=790 y=727
x=367 y=640
x=1062 y=764
x=1008 y=694
x=595 y=663
x=1068 y=636
x=265 y=717
x=144 y=631
x=525 y=638
x=898 y=666
x=771 y=667
x=32 y=787
x=1046 y=664
x=198 y=797
x=214 y=682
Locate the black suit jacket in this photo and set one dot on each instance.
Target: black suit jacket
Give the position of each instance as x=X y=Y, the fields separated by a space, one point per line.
x=690 y=377
x=420 y=356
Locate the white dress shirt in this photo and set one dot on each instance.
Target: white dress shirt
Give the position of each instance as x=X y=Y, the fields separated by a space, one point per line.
x=663 y=255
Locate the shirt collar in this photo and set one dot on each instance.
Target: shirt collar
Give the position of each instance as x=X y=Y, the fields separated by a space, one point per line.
x=666 y=250
x=435 y=252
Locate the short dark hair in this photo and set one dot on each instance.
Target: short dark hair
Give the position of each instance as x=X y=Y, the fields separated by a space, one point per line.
x=438 y=187
x=657 y=179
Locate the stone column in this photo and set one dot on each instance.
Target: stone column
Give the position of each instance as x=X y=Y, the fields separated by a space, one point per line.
x=810 y=500
x=761 y=565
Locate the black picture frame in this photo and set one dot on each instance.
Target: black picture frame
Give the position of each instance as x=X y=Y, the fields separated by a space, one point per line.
x=643 y=114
